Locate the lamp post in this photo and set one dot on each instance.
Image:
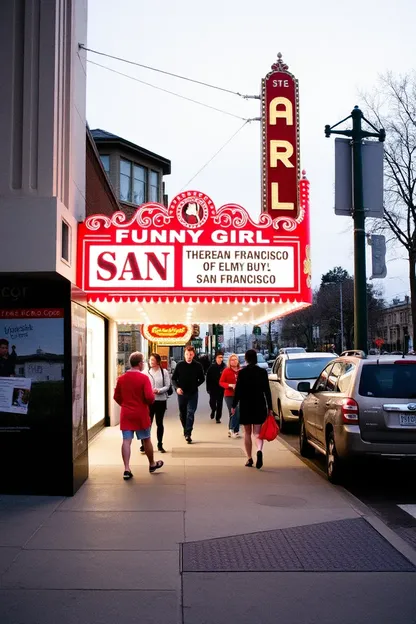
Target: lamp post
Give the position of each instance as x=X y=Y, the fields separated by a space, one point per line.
x=357 y=135
x=233 y=330
x=341 y=309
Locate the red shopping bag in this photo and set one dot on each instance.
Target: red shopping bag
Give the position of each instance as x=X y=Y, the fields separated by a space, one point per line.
x=269 y=429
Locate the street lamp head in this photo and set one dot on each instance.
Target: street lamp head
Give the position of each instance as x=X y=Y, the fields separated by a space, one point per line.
x=327 y=131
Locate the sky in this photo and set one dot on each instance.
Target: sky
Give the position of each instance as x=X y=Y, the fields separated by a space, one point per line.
x=336 y=50
x=28 y=335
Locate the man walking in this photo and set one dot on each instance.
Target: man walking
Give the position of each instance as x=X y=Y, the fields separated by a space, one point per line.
x=134 y=394
x=215 y=391
x=186 y=379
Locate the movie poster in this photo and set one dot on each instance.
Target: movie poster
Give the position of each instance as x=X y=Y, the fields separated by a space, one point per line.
x=31 y=366
x=79 y=416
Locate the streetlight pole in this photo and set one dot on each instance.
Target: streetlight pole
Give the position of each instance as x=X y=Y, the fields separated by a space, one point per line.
x=341 y=306
x=357 y=135
x=341 y=310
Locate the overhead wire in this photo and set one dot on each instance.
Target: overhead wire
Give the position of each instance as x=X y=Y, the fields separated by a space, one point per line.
x=215 y=155
x=183 y=97
x=167 y=73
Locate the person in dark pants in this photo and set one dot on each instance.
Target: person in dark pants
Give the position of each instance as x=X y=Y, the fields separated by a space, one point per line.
x=160 y=381
x=7 y=361
x=186 y=379
x=215 y=391
x=252 y=393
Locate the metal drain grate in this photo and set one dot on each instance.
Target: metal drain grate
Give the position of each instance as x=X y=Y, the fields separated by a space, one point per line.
x=201 y=451
x=341 y=546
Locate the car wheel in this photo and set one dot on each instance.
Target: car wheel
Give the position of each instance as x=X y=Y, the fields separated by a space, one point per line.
x=305 y=449
x=333 y=463
x=280 y=419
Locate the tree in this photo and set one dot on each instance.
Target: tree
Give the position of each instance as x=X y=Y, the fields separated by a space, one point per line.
x=300 y=328
x=393 y=107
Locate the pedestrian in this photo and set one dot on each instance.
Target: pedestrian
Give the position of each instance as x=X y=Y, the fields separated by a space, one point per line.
x=7 y=360
x=134 y=394
x=160 y=380
x=228 y=381
x=215 y=391
x=186 y=379
x=252 y=392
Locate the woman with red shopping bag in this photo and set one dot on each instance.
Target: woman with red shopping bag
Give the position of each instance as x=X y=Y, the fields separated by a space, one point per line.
x=252 y=394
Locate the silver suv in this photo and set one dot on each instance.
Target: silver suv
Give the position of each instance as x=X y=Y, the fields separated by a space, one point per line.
x=360 y=406
x=288 y=370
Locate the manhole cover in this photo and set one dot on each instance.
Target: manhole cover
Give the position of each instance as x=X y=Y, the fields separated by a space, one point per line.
x=203 y=451
x=340 y=546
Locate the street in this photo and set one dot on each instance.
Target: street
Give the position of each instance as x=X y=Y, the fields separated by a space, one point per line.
x=383 y=485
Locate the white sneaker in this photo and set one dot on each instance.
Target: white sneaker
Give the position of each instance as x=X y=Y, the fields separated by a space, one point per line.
x=236 y=435
x=230 y=433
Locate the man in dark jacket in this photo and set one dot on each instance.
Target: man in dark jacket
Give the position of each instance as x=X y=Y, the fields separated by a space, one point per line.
x=186 y=379
x=216 y=393
x=7 y=361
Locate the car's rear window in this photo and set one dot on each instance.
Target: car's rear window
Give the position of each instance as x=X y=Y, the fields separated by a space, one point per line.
x=388 y=381
x=309 y=368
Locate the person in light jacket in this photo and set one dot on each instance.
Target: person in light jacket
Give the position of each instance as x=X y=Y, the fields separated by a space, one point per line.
x=160 y=380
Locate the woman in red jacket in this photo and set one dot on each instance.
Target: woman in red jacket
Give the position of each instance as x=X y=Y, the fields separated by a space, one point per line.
x=228 y=381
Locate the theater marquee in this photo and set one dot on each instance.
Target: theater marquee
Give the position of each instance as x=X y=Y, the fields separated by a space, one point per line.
x=196 y=262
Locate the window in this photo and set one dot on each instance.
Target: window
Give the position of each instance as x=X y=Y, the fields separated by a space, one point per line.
x=65 y=237
x=305 y=369
x=345 y=377
x=139 y=185
x=153 y=186
x=332 y=383
x=125 y=180
x=105 y=160
x=389 y=381
x=320 y=384
x=132 y=183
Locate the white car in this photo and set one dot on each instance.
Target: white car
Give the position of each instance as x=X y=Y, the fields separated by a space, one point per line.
x=288 y=370
x=261 y=362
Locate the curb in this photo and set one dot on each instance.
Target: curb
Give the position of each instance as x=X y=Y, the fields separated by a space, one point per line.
x=403 y=547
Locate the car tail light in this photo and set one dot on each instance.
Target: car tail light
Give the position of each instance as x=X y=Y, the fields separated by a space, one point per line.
x=349 y=409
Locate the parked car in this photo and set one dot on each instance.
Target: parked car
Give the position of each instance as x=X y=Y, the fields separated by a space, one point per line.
x=260 y=361
x=360 y=406
x=292 y=350
x=288 y=370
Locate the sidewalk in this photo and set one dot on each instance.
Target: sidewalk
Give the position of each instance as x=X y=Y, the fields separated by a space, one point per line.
x=204 y=541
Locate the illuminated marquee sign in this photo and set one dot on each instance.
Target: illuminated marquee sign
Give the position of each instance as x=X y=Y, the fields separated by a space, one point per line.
x=192 y=251
x=167 y=334
x=280 y=142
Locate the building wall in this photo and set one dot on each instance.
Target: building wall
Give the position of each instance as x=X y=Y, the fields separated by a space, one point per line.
x=396 y=325
x=100 y=198
x=42 y=113
x=42 y=371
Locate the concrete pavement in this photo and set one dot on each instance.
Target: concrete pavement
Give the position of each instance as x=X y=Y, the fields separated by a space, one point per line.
x=205 y=540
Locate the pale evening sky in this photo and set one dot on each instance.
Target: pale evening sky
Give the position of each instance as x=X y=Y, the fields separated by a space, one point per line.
x=335 y=50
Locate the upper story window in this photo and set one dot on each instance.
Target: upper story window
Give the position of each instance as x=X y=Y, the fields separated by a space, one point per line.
x=132 y=182
x=105 y=160
x=154 y=186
